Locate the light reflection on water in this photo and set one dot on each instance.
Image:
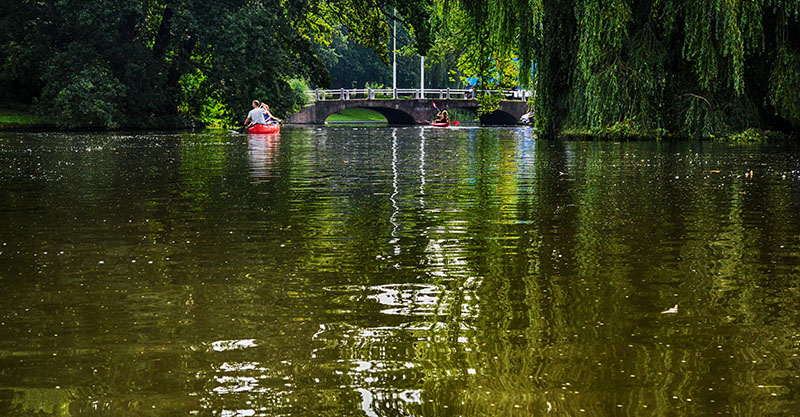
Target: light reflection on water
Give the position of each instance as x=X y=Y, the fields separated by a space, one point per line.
x=263 y=153
x=396 y=271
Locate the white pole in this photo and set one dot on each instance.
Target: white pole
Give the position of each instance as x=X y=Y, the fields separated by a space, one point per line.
x=394 y=52
x=422 y=77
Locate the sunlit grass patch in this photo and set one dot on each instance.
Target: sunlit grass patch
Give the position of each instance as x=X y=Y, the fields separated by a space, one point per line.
x=356 y=115
x=12 y=118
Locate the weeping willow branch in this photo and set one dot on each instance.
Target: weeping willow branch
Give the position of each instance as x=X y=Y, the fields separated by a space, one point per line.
x=603 y=62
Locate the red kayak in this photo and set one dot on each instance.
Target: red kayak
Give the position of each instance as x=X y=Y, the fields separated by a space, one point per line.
x=264 y=129
x=440 y=124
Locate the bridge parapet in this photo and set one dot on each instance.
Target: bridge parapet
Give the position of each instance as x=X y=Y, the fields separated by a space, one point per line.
x=409 y=93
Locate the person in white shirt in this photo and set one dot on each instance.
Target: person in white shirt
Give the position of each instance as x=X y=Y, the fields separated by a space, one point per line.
x=256 y=116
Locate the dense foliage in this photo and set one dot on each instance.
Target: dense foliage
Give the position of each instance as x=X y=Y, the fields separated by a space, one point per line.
x=475 y=57
x=352 y=65
x=167 y=63
x=709 y=67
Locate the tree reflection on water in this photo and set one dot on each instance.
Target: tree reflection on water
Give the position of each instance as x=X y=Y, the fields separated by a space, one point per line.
x=397 y=271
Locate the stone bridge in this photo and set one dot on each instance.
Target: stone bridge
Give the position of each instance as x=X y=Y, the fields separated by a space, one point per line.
x=411 y=110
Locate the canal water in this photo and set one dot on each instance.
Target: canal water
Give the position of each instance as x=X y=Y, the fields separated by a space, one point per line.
x=357 y=271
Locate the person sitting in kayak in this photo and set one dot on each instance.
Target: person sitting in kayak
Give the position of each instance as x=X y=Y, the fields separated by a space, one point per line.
x=256 y=116
x=270 y=119
x=442 y=117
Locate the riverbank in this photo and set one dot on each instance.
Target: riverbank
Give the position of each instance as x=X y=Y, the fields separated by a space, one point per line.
x=14 y=120
x=749 y=135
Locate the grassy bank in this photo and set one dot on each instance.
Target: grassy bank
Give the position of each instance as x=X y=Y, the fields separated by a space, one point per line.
x=356 y=115
x=17 y=120
x=747 y=136
x=615 y=133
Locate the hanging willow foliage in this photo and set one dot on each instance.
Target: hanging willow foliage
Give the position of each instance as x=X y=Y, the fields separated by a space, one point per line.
x=706 y=67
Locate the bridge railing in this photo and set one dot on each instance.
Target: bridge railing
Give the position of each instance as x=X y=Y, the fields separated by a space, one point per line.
x=409 y=93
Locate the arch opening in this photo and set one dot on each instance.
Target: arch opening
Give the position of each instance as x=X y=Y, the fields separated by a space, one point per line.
x=464 y=114
x=355 y=115
x=394 y=116
x=498 y=117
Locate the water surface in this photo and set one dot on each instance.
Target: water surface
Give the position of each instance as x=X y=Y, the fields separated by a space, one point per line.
x=396 y=272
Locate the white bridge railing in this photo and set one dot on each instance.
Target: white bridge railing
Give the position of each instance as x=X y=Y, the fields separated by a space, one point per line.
x=409 y=93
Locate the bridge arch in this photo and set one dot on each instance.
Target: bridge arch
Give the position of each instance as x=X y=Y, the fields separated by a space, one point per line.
x=393 y=116
x=497 y=117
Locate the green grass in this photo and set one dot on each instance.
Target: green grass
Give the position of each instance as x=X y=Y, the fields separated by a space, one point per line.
x=356 y=115
x=13 y=118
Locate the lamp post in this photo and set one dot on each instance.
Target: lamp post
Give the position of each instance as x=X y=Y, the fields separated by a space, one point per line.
x=422 y=77
x=394 y=55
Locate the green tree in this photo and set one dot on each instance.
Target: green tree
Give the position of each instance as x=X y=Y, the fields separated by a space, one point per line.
x=170 y=63
x=476 y=57
x=352 y=65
